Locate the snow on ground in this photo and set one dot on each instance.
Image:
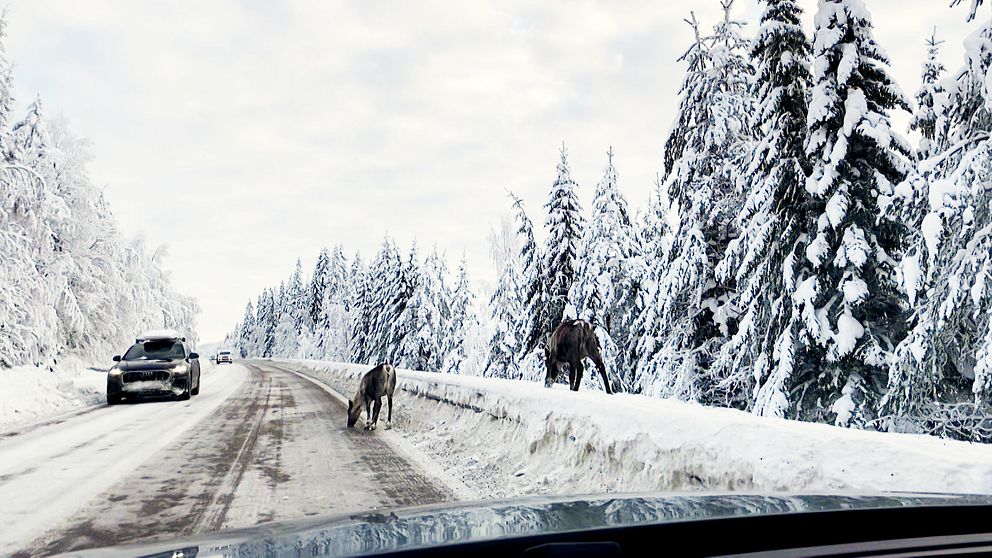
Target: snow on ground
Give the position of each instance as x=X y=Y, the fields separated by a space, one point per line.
x=506 y=438
x=29 y=393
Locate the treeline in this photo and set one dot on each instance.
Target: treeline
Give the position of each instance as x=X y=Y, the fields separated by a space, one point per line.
x=70 y=281
x=797 y=258
x=398 y=309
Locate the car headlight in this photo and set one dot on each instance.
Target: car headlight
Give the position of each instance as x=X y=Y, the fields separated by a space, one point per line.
x=116 y=372
x=179 y=369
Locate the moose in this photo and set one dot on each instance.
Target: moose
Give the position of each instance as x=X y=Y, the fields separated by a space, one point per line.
x=570 y=343
x=377 y=382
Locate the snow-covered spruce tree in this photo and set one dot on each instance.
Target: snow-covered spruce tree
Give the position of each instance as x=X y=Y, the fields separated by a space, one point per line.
x=339 y=287
x=656 y=239
x=462 y=322
x=532 y=279
x=426 y=318
x=360 y=316
x=704 y=155
x=371 y=328
x=335 y=323
x=564 y=224
x=265 y=325
x=294 y=318
x=945 y=360
x=319 y=282
x=400 y=339
x=607 y=288
x=852 y=312
x=765 y=259
x=656 y=374
x=30 y=142
x=506 y=304
x=285 y=341
x=243 y=341
x=929 y=119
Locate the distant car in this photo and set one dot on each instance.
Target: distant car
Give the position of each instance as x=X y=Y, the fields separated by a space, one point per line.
x=160 y=363
x=225 y=356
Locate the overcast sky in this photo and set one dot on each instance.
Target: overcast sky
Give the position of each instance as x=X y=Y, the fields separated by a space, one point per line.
x=247 y=134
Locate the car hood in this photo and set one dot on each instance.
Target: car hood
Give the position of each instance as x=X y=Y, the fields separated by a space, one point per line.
x=437 y=525
x=134 y=365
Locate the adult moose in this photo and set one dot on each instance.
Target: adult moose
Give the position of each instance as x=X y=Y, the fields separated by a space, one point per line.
x=570 y=343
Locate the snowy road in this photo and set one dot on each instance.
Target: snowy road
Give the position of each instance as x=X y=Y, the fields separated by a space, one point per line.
x=259 y=444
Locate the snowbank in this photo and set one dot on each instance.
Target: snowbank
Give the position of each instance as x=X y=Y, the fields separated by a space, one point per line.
x=29 y=393
x=505 y=438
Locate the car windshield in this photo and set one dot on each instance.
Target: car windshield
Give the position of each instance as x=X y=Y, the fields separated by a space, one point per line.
x=485 y=250
x=156 y=350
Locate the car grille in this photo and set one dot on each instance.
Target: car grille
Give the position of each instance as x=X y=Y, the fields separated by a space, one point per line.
x=146 y=376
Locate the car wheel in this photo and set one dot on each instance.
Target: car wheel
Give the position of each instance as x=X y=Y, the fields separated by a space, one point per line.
x=185 y=394
x=196 y=390
x=113 y=398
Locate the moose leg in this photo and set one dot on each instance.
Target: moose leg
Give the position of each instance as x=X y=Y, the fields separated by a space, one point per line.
x=368 y=413
x=601 y=366
x=375 y=412
x=578 y=369
x=389 y=416
x=552 y=375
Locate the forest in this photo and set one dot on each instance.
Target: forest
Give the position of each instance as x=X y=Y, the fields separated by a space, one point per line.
x=798 y=257
x=71 y=283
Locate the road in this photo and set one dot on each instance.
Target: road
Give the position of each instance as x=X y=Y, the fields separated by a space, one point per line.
x=259 y=444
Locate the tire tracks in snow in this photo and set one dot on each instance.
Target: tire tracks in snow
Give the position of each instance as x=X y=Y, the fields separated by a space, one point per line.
x=213 y=515
x=276 y=449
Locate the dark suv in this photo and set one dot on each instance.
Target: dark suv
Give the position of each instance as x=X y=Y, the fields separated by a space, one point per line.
x=159 y=363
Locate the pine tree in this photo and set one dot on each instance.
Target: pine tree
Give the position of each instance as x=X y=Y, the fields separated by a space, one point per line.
x=30 y=141
x=265 y=325
x=243 y=341
x=462 y=321
x=646 y=330
x=945 y=359
x=426 y=318
x=608 y=286
x=506 y=306
x=767 y=256
x=335 y=324
x=558 y=268
x=400 y=331
x=704 y=154
x=339 y=284
x=319 y=283
x=852 y=313
x=532 y=282
x=385 y=300
x=360 y=313
x=929 y=119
